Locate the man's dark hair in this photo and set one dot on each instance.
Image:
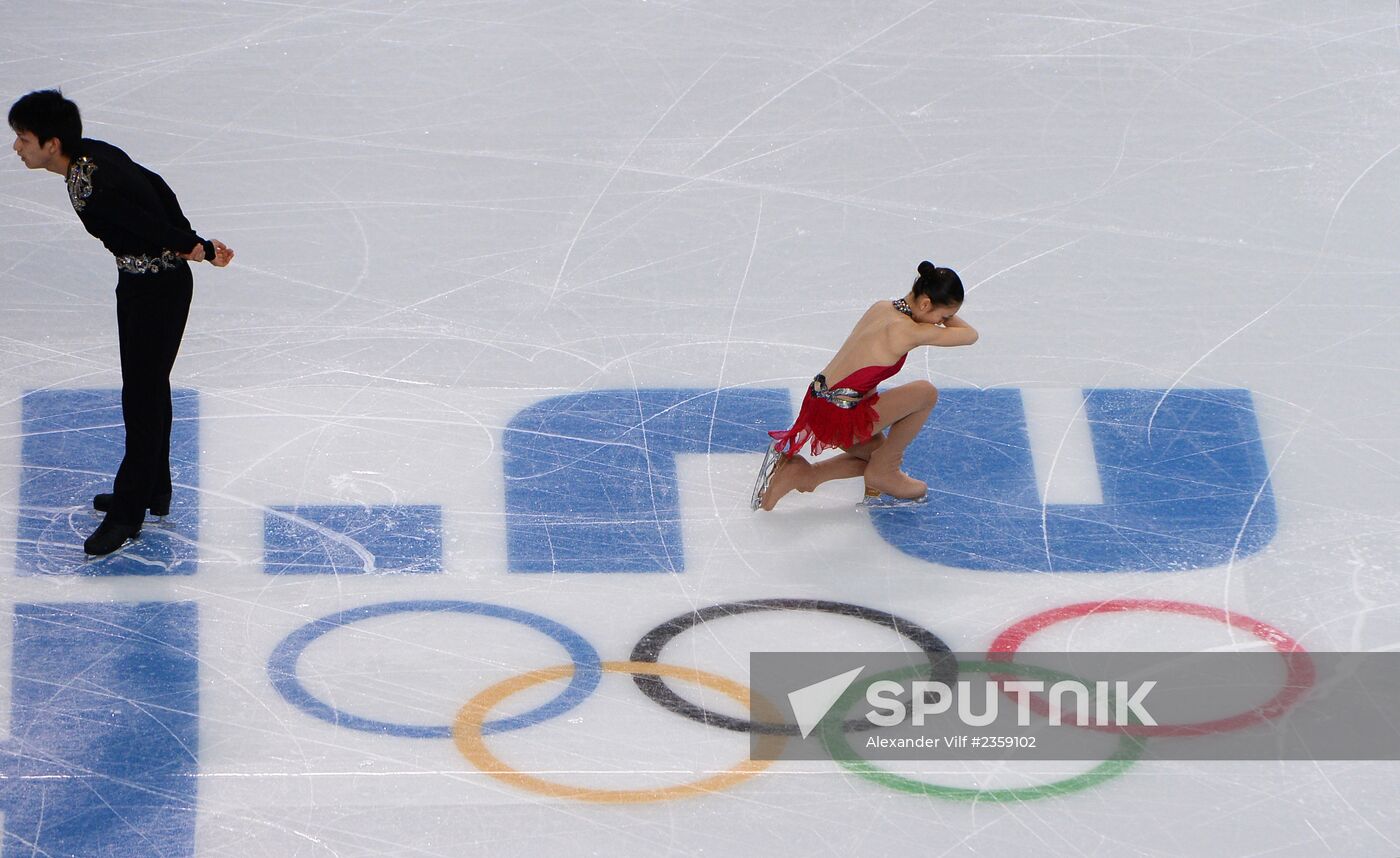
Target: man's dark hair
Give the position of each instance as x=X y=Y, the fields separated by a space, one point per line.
x=47 y=114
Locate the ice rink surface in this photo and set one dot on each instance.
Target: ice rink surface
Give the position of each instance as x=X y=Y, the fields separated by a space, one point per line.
x=518 y=287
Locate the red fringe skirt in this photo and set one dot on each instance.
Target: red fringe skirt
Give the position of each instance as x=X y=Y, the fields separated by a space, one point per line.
x=825 y=426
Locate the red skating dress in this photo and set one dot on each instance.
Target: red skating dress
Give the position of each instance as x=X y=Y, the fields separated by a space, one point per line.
x=842 y=415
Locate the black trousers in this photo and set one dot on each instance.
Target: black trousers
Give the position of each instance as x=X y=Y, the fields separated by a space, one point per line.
x=151 y=314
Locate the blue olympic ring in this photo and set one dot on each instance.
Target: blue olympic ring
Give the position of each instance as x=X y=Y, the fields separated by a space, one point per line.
x=282 y=667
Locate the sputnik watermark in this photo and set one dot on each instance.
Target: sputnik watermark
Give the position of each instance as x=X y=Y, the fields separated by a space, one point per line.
x=926 y=705
x=1116 y=704
x=1098 y=704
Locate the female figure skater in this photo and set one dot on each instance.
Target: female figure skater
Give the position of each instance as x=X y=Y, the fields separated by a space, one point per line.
x=844 y=414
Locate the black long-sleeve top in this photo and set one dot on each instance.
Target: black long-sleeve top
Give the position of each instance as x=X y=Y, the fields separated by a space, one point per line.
x=127 y=207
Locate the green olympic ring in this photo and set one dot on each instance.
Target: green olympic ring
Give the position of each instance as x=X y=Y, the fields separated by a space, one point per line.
x=1128 y=751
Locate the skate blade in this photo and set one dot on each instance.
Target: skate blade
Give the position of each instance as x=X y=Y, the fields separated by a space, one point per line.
x=158 y=521
x=884 y=501
x=765 y=475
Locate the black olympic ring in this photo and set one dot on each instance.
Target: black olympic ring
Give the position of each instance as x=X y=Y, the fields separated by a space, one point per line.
x=943 y=667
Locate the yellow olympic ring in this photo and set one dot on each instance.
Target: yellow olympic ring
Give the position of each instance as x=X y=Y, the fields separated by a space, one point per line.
x=466 y=734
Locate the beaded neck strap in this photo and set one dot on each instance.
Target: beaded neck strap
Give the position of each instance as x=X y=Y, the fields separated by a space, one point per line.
x=903 y=306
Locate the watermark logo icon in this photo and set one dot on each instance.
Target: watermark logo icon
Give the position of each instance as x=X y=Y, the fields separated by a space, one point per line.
x=811 y=703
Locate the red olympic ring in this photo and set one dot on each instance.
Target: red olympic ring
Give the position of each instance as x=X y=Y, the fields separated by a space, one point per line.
x=1302 y=673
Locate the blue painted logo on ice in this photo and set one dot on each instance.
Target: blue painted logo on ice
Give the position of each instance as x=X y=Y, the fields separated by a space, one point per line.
x=591 y=480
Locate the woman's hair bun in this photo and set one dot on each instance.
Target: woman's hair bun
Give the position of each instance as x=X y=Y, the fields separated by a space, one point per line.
x=942 y=286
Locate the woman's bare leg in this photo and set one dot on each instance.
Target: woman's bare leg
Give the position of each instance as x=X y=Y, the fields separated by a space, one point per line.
x=792 y=473
x=864 y=451
x=903 y=411
x=849 y=464
x=799 y=474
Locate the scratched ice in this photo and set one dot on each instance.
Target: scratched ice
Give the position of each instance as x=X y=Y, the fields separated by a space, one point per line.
x=519 y=287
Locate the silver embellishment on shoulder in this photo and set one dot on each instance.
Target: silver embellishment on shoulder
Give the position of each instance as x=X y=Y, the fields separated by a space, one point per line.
x=148 y=264
x=80 y=181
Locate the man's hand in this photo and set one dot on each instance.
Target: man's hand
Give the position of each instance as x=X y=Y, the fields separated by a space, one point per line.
x=223 y=254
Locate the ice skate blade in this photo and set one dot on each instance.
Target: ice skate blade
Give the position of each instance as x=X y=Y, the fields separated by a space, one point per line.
x=765 y=475
x=884 y=501
x=153 y=521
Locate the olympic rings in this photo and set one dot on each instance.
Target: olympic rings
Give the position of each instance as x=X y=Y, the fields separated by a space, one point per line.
x=282 y=667
x=1302 y=673
x=942 y=666
x=1128 y=751
x=470 y=727
x=467 y=735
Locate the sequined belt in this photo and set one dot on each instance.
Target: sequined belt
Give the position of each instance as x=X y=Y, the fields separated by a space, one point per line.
x=841 y=397
x=149 y=264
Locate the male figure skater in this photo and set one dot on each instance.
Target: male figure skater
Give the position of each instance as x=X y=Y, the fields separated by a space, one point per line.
x=134 y=213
